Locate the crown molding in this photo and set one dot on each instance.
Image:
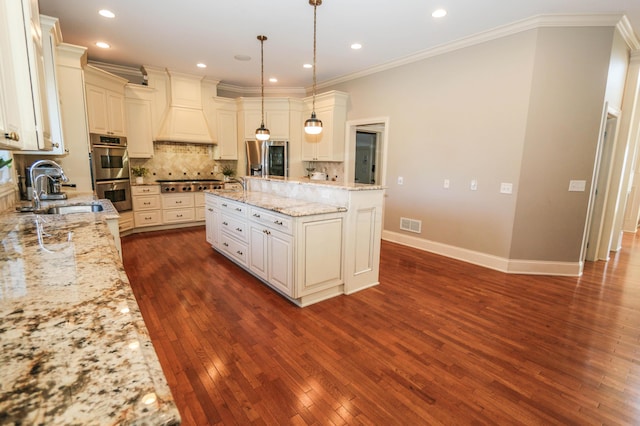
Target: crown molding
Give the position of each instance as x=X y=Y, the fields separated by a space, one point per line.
x=535 y=22
x=255 y=91
x=626 y=30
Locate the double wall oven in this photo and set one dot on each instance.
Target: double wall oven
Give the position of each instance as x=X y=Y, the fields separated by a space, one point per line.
x=110 y=169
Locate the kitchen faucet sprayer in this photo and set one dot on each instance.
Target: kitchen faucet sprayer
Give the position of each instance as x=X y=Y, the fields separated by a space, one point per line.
x=34 y=179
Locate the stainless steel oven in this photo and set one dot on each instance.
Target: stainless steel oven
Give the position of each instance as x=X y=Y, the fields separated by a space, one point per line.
x=110 y=169
x=116 y=191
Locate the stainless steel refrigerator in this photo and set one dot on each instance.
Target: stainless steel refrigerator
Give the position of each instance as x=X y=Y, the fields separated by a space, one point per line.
x=268 y=158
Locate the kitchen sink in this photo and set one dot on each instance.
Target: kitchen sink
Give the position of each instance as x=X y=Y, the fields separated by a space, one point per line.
x=77 y=208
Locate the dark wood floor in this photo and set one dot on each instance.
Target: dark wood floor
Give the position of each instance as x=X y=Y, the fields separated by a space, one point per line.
x=437 y=342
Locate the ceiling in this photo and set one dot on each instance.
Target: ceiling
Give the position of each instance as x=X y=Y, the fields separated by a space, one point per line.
x=177 y=35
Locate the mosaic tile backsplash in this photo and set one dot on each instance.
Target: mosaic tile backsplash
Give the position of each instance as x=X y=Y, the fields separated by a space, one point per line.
x=173 y=160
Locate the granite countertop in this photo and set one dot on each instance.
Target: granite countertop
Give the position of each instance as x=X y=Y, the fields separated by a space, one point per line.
x=325 y=183
x=287 y=206
x=75 y=349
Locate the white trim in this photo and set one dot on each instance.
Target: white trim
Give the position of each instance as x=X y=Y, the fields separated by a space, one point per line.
x=517 y=266
x=540 y=21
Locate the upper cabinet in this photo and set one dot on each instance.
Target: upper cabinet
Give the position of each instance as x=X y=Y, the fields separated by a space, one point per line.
x=105 y=102
x=329 y=145
x=276 y=117
x=24 y=119
x=137 y=105
x=227 y=129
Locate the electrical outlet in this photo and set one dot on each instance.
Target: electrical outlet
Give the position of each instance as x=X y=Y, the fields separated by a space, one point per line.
x=474 y=185
x=400 y=180
x=506 y=188
x=577 y=185
x=446 y=184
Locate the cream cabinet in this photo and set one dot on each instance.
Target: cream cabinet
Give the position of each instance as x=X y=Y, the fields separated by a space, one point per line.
x=329 y=145
x=276 y=117
x=178 y=208
x=211 y=221
x=125 y=223
x=24 y=119
x=147 y=208
x=227 y=131
x=199 y=205
x=105 y=102
x=137 y=107
x=233 y=230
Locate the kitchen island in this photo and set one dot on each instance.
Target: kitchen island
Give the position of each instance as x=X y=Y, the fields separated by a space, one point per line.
x=308 y=240
x=75 y=349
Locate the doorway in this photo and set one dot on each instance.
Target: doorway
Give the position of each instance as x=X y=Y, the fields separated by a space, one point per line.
x=366 y=151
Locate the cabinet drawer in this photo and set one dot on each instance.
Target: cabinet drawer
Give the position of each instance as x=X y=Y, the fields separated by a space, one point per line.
x=239 y=209
x=177 y=201
x=234 y=226
x=178 y=215
x=146 y=202
x=145 y=190
x=235 y=248
x=271 y=220
x=147 y=218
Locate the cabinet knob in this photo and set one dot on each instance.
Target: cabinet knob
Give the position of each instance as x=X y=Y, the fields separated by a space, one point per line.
x=225 y=244
x=12 y=136
x=239 y=252
x=277 y=222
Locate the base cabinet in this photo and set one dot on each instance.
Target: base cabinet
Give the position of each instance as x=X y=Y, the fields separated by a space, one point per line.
x=146 y=205
x=300 y=257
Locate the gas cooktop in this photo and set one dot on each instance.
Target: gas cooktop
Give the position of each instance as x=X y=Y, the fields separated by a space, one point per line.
x=187 y=180
x=189 y=185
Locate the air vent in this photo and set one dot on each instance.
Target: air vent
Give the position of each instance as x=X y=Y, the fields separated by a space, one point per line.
x=411 y=225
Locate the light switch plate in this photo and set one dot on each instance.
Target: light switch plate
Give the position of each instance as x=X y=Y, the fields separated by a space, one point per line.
x=577 y=185
x=400 y=180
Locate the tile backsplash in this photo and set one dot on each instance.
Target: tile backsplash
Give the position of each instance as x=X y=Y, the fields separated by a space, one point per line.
x=174 y=160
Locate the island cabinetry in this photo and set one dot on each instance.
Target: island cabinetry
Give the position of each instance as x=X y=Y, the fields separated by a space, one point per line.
x=178 y=208
x=105 y=102
x=211 y=221
x=147 y=208
x=271 y=249
x=234 y=230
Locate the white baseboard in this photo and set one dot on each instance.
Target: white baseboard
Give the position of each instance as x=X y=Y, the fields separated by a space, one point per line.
x=510 y=266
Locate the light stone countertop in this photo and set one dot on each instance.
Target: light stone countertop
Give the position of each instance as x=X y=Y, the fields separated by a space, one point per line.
x=321 y=183
x=75 y=349
x=285 y=205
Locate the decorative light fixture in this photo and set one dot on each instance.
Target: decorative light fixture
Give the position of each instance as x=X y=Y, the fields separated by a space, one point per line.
x=313 y=126
x=262 y=133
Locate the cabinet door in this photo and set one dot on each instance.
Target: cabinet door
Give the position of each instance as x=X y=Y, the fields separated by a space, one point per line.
x=211 y=223
x=280 y=261
x=258 y=251
x=140 y=135
x=319 y=268
x=278 y=124
x=97 y=109
x=115 y=113
x=227 y=135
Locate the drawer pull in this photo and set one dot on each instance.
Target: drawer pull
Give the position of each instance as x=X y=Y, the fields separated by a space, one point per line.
x=12 y=136
x=147 y=218
x=225 y=223
x=146 y=190
x=256 y=215
x=178 y=215
x=238 y=209
x=225 y=244
x=178 y=201
x=147 y=203
x=239 y=252
x=210 y=209
x=224 y=205
x=266 y=231
x=277 y=222
x=239 y=229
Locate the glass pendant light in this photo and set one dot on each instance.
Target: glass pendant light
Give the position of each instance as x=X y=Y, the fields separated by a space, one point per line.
x=313 y=126
x=262 y=133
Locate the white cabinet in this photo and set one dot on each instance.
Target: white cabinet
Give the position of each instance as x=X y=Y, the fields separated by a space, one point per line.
x=329 y=145
x=233 y=230
x=24 y=121
x=137 y=106
x=276 y=117
x=178 y=208
x=147 y=208
x=227 y=131
x=105 y=102
x=211 y=221
x=125 y=223
x=199 y=205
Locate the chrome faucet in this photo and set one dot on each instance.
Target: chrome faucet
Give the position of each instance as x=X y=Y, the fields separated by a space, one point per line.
x=34 y=179
x=241 y=180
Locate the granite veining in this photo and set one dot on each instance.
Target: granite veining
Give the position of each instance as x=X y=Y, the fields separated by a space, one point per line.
x=75 y=349
x=285 y=205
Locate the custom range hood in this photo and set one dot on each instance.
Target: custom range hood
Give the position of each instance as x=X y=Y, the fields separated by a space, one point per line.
x=184 y=119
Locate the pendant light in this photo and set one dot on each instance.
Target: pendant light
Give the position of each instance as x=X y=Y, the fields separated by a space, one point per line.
x=262 y=133
x=313 y=126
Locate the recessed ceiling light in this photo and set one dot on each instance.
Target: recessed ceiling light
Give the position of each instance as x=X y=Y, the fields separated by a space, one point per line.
x=201 y=65
x=439 y=13
x=242 y=58
x=102 y=45
x=273 y=80
x=308 y=66
x=107 y=13
x=356 y=46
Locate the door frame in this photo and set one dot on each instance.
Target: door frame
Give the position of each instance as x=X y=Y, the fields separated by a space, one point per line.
x=350 y=148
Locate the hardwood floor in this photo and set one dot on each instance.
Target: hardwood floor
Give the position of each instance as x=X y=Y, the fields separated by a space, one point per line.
x=437 y=342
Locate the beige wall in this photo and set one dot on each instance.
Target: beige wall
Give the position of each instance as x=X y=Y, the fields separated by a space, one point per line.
x=523 y=109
